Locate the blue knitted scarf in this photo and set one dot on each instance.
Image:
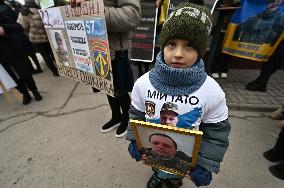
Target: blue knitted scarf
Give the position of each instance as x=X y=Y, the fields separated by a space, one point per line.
x=177 y=81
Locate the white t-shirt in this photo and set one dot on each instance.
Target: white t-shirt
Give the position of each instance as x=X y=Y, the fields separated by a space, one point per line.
x=207 y=104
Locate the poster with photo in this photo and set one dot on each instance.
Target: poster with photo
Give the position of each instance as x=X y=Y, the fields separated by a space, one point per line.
x=79 y=41
x=255 y=30
x=168 y=148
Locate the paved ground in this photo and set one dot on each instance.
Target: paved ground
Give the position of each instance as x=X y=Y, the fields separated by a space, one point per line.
x=239 y=98
x=57 y=142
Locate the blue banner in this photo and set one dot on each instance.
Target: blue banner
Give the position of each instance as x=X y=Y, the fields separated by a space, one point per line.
x=256 y=29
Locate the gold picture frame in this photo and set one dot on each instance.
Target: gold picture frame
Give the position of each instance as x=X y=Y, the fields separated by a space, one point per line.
x=183 y=139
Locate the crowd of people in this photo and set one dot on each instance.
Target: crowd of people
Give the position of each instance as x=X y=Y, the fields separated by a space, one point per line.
x=178 y=72
x=22 y=34
x=12 y=54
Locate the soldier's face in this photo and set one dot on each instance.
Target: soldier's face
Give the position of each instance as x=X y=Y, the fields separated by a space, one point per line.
x=162 y=146
x=168 y=118
x=179 y=53
x=60 y=44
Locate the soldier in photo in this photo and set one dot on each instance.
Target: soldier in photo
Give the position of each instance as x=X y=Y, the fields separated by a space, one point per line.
x=169 y=114
x=163 y=152
x=264 y=28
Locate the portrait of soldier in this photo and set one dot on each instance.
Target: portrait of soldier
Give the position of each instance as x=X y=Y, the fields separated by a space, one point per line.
x=61 y=49
x=163 y=152
x=264 y=28
x=169 y=114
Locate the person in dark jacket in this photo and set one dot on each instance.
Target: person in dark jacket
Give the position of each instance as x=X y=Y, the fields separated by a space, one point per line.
x=33 y=26
x=14 y=60
x=12 y=9
x=7 y=10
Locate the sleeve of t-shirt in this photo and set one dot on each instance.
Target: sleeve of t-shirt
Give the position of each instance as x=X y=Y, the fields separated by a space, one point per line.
x=216 y=109
x=137 y=95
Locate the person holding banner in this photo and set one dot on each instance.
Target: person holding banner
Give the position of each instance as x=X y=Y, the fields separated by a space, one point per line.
x=179 y=77
x=121 y=17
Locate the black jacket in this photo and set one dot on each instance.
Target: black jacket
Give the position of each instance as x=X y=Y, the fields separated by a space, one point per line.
x=11 y=49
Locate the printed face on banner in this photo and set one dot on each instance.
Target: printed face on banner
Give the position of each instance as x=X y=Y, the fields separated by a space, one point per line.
x=79 y=44
x=51 y=18
x=60 y=47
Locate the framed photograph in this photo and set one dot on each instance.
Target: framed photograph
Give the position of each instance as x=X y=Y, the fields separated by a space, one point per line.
x=168 y=148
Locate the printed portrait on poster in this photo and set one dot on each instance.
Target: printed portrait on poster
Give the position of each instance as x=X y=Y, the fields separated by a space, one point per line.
x=167 y=148
x=263 y=28
x=255 y=30
x=60 y=47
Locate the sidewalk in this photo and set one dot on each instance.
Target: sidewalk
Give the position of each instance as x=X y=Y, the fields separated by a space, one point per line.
x=240 y=99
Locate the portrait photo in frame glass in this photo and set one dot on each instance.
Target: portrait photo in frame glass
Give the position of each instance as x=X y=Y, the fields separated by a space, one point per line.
x=168 y=148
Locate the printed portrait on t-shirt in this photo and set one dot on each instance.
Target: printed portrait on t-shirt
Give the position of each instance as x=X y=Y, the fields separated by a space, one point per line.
x=182 y=111
x=175 y=111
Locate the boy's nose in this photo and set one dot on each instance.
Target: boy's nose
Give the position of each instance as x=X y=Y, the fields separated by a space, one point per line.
x=178 y=53
x=168 y=122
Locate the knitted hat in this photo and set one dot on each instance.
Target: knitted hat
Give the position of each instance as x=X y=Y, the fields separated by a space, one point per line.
x=189 y=22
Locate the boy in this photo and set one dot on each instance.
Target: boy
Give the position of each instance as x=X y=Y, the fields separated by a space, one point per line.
x=179 y=77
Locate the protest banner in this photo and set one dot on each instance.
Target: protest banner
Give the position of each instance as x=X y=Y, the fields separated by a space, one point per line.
x=143 y=41
x=78 y=38
x=255 y=30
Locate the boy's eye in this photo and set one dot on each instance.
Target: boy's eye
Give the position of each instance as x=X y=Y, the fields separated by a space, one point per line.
x=171 y=44
x=189 y=45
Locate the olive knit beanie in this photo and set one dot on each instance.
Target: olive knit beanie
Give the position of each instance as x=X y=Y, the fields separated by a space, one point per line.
x=189 y=22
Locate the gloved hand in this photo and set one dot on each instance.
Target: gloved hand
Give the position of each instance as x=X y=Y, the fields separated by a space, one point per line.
x=200 y=176
x=133 y=151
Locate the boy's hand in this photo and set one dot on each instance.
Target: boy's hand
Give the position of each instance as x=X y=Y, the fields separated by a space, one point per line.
x=134 y=151
x=200 y=176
